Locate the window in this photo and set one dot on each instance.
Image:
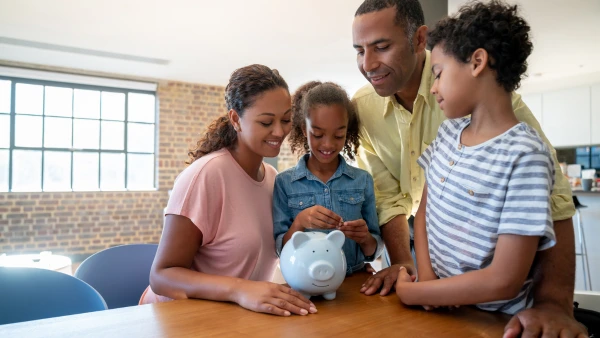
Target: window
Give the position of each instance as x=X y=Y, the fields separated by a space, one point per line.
x=59 y=136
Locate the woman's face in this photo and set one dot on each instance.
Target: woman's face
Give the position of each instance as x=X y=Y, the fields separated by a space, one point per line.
x=266 y=123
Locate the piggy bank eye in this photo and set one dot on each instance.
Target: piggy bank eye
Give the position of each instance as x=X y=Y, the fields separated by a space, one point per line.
x=327 y=250
x=313 y=251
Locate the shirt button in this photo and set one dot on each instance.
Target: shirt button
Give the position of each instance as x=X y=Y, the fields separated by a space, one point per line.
x=451 y=163
x=352 y=198
x=471 y=192
x=417 y=201
x=442 y=180
x=459 y=146
x=414 y=179
x=326 y=190
x=301 y=203
x=412 y=153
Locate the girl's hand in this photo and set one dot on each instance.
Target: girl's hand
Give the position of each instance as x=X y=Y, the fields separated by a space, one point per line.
x=317 y=217
x=356 y=231
x=271 y=298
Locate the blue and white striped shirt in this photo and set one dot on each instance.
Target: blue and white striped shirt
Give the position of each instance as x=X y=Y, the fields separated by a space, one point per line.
x=477 y=193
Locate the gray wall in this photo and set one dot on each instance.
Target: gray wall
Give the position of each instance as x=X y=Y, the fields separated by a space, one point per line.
x=434 y=10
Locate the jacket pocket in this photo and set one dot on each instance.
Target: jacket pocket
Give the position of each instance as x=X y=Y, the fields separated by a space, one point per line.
x=300 y=202
x=350 y=203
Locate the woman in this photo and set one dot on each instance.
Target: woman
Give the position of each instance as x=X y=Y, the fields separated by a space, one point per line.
x=217 y=241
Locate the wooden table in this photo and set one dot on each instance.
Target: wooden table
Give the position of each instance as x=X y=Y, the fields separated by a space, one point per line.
x=351 y=314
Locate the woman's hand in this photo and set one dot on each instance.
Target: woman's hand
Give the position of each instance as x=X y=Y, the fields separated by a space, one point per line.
x=271 y=298
x=317 y=217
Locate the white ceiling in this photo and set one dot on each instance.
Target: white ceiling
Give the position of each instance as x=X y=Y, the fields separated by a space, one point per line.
x=204 y=41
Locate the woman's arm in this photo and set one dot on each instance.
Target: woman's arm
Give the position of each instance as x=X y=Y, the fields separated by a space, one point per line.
x=424 y=268
x=501 y=280
x=172 y=277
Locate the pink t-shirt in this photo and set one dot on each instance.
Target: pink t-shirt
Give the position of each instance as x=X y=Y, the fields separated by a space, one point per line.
x=234 y=214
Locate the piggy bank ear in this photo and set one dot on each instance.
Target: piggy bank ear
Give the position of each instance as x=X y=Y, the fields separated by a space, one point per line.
x=337 y=237
x=298 y=238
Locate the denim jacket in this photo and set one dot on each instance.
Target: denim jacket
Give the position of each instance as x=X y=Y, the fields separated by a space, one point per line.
x=349 y=193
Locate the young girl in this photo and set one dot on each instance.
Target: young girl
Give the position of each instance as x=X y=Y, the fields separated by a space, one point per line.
x=322 y=192
x=485 y=211
x=216 y=242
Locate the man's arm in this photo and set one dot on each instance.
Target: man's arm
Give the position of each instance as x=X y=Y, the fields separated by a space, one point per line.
x=392 y=208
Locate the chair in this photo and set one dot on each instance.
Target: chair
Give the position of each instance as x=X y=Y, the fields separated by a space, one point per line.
x=587 y=279
x=32 y=293
x=120 y=274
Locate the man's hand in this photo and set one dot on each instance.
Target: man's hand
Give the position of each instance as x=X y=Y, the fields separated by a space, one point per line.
x=544 y=320
x=386 y=278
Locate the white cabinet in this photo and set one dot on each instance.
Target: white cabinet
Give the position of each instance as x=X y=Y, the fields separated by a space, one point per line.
x=596 y=114
x=567 y=116
x=534 y=102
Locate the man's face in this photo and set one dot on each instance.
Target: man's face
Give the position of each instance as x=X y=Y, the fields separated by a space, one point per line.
x=384 y=53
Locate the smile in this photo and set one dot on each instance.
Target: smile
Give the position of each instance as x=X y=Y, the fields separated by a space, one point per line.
x=378 y=79
x=320 y=286
x=274 y=144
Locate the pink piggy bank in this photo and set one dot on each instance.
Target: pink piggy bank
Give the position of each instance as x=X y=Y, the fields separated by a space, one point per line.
x=313 y=263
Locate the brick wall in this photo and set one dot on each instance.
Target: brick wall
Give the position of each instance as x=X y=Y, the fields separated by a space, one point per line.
x=78 y=224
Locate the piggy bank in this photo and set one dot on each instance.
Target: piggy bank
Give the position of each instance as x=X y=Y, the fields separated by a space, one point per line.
x=313 y=263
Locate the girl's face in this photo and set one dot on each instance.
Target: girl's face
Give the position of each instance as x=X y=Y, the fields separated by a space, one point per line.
x=325 y=131
x=454 y=84
x=266 y=123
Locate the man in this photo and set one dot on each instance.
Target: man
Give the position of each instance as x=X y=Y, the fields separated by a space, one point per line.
x=399 y=120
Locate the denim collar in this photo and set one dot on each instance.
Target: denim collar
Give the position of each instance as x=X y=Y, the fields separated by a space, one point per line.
x=300 y=170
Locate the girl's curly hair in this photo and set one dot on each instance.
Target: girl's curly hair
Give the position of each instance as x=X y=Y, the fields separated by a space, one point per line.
x=316 y=93
x=494 y=26
x=245 y=85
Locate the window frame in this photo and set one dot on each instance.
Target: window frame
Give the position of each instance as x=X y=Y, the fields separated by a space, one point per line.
x=73 y=86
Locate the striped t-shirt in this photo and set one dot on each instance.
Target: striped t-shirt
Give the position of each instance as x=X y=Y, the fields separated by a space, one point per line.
x=475 y=194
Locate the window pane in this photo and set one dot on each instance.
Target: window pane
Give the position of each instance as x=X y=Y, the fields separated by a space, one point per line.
x=113 y=106
x=113 y=135
x=27 y=170
x=28 y=131
x=57 y=132
x=141 y=108
x=140 y=171
x=57 y=171
x=112 y=171
x=85 y=171
x=87 y=103
x=4 y=170
x=4 y=131
x=59 y=101
x=140 y=137
x=5 y=96
x=29 y=99
x=86 y=134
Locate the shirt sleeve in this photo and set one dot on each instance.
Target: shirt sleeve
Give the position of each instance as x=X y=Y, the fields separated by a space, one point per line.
x=282 y=215
x=198 y=195
x=527 y=206
x=369 y=213
x=562 y=197
x=389 y=199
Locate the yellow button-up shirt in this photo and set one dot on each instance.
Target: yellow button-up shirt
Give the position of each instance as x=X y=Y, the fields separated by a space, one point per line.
x=392 y=139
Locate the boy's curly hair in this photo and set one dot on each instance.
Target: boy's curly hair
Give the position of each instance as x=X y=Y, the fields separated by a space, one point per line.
x=494 y=26
x=316 y=93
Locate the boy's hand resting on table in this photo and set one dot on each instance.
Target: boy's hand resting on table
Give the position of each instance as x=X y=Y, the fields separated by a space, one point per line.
x=404 y=277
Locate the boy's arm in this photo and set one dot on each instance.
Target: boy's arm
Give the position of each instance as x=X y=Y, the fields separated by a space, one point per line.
x=502 y=279
x=424 y=268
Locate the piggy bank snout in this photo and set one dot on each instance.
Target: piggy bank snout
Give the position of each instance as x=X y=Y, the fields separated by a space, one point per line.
x=321 y=270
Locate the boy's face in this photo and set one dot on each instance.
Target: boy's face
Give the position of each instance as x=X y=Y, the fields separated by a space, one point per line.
x=384 y=53
x=453 y=86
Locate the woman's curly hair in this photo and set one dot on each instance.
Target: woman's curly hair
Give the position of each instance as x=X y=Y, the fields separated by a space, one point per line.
x=245 y=85
x=494 y=26
x=316 y=93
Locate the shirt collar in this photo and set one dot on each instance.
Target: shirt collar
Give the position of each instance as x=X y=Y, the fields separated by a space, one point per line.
x=424 y=87
x=300 y=170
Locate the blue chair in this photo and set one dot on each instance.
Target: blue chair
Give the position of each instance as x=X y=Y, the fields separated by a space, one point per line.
x=120 y=274
x=32 y=293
